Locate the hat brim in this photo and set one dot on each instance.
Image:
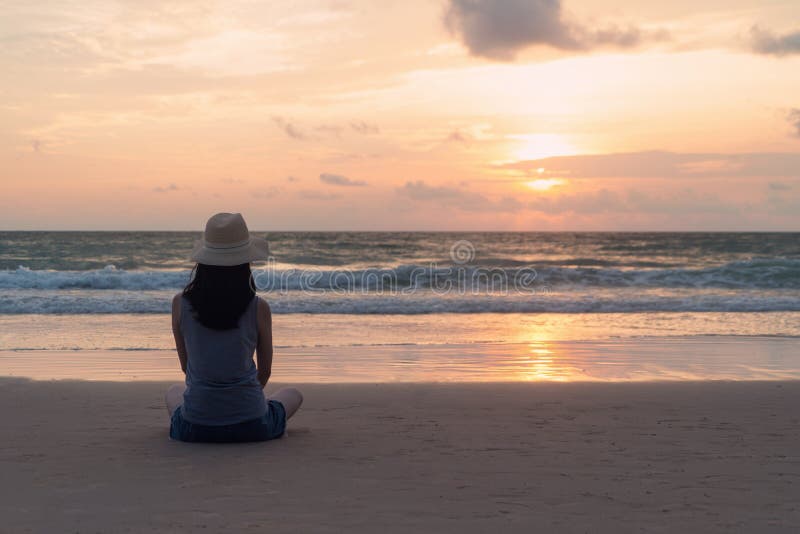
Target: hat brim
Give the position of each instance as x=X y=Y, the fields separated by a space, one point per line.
x=257 y=249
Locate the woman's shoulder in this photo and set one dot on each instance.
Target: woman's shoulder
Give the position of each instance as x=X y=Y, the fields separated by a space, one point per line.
x=177 y=302
x=262 y=307
x=176 y=310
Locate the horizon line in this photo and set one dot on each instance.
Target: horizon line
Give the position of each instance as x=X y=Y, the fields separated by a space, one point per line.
x=470 y=231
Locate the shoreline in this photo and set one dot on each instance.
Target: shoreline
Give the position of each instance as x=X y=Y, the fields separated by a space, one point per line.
x=601 y=457
x=644 y=359
x=48 y=331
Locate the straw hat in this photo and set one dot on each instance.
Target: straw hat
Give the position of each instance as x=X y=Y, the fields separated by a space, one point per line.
x=227 y=242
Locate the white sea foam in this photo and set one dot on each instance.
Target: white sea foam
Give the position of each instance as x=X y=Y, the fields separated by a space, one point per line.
x=773 y=273
x=27 y=301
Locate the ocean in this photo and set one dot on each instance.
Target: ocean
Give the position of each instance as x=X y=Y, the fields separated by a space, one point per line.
x=416 y=273
x=384 y=296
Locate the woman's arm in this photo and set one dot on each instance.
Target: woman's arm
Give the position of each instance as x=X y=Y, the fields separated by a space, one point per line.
x=180 y=345
x=264 y=347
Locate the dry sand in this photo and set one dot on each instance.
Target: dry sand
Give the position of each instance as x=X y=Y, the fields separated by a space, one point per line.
x=586 y=457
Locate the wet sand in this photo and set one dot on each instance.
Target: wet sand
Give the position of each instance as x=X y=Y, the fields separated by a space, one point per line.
x=571 y=457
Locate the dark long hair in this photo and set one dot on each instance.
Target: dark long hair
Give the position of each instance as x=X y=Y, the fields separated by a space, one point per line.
x=220 y=295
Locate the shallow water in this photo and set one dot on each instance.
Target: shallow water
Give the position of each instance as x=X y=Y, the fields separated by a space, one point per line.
x=642 y=359
x=153 y=331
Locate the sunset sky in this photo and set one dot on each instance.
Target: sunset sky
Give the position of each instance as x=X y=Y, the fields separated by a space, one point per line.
x=401 y=115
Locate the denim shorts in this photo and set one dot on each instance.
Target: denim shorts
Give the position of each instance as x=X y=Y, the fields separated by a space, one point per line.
x=271 y=425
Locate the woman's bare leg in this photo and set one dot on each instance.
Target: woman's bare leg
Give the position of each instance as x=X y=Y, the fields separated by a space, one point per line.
x=174 y=397
x=291 y=399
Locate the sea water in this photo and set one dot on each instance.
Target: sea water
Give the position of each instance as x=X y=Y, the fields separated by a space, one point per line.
x=79 y=291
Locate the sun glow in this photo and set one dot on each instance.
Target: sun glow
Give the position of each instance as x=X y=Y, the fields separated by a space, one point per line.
x=544 y=184
x=538 y=146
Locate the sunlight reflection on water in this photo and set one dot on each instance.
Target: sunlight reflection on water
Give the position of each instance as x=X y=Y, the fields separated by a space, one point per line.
x=643 y=359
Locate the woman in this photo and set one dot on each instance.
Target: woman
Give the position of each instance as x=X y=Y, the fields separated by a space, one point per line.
x=219 y=322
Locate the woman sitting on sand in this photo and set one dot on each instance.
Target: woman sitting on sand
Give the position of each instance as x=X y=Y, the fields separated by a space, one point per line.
x=219 y=322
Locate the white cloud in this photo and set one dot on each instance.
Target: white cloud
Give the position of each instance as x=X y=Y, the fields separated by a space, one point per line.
x=660 y=164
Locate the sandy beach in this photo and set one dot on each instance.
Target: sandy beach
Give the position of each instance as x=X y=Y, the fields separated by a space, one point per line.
x=534 y=266
x=576 y=457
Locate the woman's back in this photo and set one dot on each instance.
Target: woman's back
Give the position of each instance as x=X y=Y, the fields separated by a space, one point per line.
x=219 y=323
x=222 y=386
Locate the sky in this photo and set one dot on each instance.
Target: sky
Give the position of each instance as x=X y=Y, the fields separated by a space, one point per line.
x=535 y=115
